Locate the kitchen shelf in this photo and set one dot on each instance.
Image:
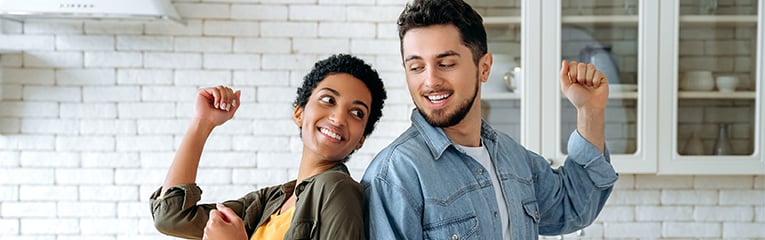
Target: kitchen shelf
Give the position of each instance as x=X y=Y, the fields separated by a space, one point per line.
x=718 y=20
x=501 y=96
x=616 y=95
x=501 y=21
x=622 y=95
x=717 y=95
x=619 y=20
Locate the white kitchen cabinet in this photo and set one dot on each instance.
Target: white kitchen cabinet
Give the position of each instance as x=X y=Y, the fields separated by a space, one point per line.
x=649 y=117
x=723 y=38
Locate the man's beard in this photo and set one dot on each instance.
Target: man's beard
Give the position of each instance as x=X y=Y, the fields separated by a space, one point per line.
x=439 y=117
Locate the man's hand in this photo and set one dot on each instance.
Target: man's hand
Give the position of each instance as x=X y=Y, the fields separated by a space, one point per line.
x=224 y=224
x=584 y=85
x=586 y=88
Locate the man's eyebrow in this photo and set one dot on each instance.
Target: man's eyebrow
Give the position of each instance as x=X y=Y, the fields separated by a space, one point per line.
x=447 y=54
x=412 y=57
x=336 y=93
x=440 y=55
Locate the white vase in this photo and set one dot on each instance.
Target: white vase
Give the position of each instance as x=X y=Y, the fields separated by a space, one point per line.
x=722 y=144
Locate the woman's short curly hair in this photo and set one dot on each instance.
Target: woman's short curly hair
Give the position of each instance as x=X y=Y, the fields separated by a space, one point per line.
x=344 y=63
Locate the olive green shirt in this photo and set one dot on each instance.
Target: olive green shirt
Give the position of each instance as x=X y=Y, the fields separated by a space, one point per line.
x=329 y=206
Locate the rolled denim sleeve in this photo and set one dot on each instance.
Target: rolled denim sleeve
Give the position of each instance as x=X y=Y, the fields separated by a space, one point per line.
x=572 y=196
x=597 y=164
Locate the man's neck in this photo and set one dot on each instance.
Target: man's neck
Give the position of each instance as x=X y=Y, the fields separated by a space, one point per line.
x=468 y=131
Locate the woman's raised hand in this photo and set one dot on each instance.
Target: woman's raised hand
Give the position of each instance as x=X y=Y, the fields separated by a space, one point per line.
x=217 y=104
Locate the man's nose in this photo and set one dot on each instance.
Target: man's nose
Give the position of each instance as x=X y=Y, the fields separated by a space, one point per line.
x=433 y=78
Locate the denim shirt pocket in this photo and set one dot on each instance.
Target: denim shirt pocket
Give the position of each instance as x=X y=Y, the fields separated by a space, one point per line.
x=461 y=227
x=531 y=209
x=302 y=229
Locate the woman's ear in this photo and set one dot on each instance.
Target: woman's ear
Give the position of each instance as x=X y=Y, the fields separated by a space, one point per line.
x=484 y=66
x=298 y=116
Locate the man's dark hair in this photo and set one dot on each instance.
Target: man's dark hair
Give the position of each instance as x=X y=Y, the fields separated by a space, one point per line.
x=344 y=63
x=424 y=13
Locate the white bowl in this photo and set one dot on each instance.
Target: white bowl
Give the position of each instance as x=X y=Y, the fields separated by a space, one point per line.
x=697 y=81
x=726 y=83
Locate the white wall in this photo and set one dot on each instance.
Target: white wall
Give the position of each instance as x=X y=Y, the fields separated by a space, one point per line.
x=92 y=112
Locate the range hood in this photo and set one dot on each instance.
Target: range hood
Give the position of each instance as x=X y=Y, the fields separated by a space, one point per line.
x=140 y=10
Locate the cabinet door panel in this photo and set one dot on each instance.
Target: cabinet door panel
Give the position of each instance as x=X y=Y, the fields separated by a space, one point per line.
x=711 y=71
x=612 y=35
x=501 y=94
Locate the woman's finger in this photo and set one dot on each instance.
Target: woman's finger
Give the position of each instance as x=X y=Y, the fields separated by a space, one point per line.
x=216 y=97
x=224 y=95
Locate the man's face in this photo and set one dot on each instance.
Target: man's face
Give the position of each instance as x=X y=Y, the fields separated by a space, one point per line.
x=442 y=78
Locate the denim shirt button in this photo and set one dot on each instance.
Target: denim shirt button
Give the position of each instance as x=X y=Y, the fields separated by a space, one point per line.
x=454 y=237
x=496 y=214
x=480 y=171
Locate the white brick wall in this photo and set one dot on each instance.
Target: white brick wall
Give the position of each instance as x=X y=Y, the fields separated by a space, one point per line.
x=92 y=112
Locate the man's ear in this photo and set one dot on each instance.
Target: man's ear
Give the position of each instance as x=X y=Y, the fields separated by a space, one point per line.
x=298 y=116
x=484 y=66
x=361 y=142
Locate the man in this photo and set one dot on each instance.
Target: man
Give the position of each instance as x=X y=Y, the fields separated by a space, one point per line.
x=451 y=175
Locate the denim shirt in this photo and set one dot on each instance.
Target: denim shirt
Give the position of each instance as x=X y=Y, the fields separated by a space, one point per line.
x=422 y=186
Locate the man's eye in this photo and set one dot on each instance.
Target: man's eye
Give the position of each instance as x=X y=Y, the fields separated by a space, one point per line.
x=415 y=68
x=444 y=65
x=327 y=99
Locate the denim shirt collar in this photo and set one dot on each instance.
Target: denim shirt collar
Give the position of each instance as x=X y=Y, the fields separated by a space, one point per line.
x=437 y=140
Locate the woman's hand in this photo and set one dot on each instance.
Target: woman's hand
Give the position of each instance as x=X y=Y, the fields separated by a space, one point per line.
x=217 y=104
x=224 y=224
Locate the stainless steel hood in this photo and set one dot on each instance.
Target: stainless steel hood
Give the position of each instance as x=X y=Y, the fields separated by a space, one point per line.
x=140 y=10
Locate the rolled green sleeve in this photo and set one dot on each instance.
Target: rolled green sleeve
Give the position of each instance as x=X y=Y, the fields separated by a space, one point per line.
x=177 y=213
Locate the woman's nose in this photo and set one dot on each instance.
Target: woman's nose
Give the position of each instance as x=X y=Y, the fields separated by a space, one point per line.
x=338 y=117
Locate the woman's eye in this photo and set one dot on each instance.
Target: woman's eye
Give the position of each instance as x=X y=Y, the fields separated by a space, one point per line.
x=358 y=113
x=327 y=99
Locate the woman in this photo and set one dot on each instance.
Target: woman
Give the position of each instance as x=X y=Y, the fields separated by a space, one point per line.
x=336 y=108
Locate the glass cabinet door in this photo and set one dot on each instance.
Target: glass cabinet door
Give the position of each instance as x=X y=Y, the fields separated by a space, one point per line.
x=606 y=34
x=716 y=63
x=711 y=81
x=501 y=94
x=619 y=37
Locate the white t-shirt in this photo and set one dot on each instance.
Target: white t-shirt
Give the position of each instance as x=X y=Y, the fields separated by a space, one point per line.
x=481 y=154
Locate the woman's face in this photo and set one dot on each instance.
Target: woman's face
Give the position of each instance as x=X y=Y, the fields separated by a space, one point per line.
x=335 y=116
